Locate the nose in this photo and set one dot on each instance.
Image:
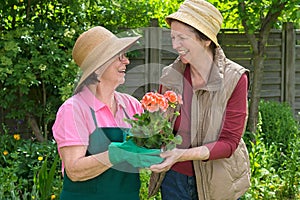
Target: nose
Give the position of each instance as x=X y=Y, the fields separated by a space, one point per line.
x=176 y=43
x=126 y=61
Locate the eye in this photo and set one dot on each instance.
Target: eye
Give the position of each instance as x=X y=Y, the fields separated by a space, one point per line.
x=181 y=37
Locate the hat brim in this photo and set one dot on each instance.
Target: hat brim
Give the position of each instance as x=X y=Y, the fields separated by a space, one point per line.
x=101 y=59
x=189 y=20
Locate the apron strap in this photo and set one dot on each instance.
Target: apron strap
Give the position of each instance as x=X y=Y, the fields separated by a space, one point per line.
x=94 y=117
x=127 y=116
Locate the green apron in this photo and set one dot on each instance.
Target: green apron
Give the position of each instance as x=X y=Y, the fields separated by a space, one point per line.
x=121 y=182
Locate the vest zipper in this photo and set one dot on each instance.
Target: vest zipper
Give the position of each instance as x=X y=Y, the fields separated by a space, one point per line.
x=199 y=131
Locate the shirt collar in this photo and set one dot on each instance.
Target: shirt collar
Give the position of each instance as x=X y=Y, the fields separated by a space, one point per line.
x=90 y=99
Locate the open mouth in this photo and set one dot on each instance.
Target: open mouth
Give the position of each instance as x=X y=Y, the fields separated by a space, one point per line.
x=183 y=52
x=122 y=71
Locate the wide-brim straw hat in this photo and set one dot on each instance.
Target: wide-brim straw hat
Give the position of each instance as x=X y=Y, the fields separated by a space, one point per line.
x=95 y=48
x=201 y=15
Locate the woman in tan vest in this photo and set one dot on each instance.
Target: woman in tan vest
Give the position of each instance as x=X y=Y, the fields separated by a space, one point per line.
x=212 y=162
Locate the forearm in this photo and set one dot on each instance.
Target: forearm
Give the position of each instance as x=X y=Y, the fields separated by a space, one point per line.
x=180 y=155
x=88 y=167
x=80 y=167
x=196 y=153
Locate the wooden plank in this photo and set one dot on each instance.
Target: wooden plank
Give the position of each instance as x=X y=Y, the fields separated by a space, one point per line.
x=276 y=63
x=137 y=69
x=271 y=80
x=272 y=74
x=271 y=98
x=270 y=93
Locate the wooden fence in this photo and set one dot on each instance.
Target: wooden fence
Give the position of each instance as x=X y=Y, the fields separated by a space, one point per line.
x=281 y=80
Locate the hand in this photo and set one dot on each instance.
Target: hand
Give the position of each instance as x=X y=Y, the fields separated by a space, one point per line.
x=171 y=157
x=133 y=154
x=179 y=155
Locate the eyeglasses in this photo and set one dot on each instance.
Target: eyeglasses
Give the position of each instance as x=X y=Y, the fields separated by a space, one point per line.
x=122 y=56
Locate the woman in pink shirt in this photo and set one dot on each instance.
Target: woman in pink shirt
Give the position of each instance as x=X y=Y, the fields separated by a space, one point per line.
x=98 y=162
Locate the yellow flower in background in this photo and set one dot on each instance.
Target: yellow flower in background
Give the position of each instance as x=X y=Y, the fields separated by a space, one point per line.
x=40 y=158
x=271 y=186
x=5 y=152
x=53 y=196
x=17 y=136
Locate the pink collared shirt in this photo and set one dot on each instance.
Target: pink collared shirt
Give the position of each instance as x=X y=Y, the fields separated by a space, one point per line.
x=74 y=121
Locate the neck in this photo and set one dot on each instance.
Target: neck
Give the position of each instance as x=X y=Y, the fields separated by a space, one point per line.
x=200 y=72
x=197 y=79
x=105 y=95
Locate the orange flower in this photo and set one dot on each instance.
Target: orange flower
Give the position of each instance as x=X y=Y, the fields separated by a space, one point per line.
x=152 y=128
x=152 y=107
x=171 y=96
x=149 y=102
x=162 y=102
x=154 y=101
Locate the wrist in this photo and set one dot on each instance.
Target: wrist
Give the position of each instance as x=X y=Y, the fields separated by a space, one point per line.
x=204 y=153
x=196 y=153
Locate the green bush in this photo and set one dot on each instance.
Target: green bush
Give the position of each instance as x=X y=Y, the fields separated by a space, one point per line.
x=145 y=177
x=21 y=162
x=274 y=154
x=278 y=123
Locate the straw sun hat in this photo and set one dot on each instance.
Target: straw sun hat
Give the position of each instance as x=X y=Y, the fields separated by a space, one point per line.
x=95 y=48
x=201 y=15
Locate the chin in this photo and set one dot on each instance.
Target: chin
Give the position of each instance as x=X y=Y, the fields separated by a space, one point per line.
x=122 y=82
x=184 y=61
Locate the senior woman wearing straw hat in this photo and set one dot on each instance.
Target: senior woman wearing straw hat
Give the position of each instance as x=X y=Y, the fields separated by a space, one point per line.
x=212 y=163
x=97 y=161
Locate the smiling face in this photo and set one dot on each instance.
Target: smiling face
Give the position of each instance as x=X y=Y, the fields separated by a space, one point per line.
x=114 y=75
x=188 y=45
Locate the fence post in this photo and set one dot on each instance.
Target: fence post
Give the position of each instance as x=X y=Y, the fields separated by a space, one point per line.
x=289 y=64
x=154 y=54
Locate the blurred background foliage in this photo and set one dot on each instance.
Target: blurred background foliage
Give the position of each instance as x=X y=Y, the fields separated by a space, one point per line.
x=37 y=74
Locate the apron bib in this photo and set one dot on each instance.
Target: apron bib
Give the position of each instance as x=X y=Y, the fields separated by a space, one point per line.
x=121 y=182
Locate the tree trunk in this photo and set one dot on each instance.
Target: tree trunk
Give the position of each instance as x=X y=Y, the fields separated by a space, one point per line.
x=255 y=91
x=35 y=128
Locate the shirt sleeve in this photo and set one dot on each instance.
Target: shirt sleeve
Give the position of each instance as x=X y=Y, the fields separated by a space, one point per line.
x=70 y=128
x=233 y=124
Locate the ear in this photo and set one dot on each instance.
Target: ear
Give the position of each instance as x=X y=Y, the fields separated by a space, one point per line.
x=207 y=43
x=97 y=71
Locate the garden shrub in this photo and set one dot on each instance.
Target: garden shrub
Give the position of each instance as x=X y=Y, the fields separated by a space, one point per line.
x=278 y=123
x=20 y=162
x=145 y=177
x=274 y=154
